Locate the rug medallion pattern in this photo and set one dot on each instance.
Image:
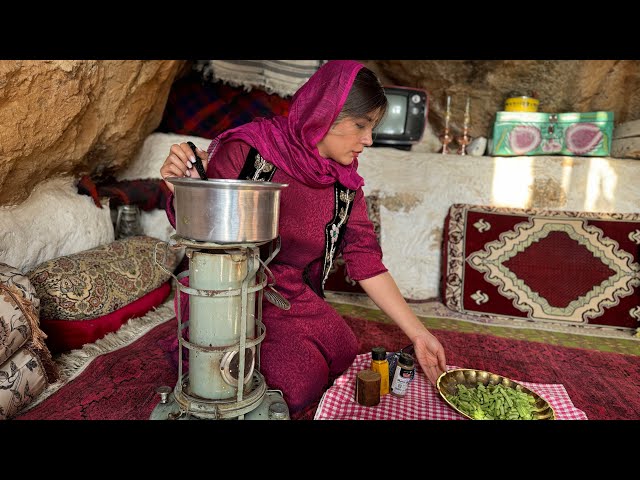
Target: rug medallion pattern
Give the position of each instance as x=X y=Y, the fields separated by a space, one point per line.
x=543 y=265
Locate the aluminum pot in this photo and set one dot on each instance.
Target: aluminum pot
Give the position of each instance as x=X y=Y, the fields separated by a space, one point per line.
x=226 y=211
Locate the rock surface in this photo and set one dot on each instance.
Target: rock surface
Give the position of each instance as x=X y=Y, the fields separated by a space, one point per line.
x=68 y=118
x=561 y=86
x=74 y=117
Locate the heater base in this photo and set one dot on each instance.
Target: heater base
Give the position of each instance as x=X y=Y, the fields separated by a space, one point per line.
x=272 y=407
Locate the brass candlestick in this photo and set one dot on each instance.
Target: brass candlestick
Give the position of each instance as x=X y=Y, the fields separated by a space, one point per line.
x=464 y=140
x=446 y=138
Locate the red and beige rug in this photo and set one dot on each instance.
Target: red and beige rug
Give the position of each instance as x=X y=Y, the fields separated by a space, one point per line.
x=542 y=265
x=116 y=378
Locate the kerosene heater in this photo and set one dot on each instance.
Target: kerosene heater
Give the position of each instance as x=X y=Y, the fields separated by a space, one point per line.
x=222 y=224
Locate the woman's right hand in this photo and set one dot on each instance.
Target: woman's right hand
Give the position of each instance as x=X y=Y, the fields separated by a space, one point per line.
x=180 y=162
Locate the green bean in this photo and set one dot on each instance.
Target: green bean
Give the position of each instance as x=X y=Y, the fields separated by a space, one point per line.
x=493 y=402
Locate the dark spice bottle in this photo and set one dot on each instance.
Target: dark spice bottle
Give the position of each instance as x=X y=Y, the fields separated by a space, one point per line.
x=402 y=375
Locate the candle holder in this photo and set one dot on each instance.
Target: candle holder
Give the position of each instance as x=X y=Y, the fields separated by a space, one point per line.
x=464 y=140
x=446 y=138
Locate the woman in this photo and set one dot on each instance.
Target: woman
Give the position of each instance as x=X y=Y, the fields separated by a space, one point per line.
x=322 y=213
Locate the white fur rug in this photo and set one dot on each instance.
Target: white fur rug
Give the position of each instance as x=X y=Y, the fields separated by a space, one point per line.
x=54 y=221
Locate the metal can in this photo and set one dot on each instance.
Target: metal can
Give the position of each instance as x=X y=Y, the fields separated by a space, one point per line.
x=402 y=375
x=521 y=104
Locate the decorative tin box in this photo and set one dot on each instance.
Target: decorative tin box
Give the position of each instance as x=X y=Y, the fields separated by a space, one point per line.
x=529 y=133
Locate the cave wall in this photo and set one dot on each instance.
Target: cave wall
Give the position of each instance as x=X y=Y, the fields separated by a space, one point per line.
x=73 y=117
x=560 y=85
x=62 y=119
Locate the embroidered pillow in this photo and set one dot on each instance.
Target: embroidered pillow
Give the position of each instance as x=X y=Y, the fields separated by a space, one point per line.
x=64 y=335
x=26 y=367
x=99 y=281
x=18 y=312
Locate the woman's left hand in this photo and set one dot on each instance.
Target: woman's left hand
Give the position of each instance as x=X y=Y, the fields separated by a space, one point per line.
x=382 y=289
x=430 y=354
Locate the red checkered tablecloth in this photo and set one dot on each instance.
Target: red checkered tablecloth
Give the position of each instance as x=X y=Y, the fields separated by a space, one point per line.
x=422 y=401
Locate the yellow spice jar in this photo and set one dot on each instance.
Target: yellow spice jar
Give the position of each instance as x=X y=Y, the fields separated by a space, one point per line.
x=380 y=364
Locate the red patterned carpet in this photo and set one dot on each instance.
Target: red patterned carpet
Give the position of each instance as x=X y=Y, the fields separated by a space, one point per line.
x=543 y=265
x=121 y=384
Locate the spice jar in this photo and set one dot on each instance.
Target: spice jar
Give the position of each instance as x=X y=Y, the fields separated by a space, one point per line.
x=367 y=388
x=402 y=375
x=380 y=364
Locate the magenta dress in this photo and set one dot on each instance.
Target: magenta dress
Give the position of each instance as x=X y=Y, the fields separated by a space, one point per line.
x=307 y=346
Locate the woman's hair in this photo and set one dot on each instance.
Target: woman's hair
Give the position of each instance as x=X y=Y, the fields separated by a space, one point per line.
x=366 y=96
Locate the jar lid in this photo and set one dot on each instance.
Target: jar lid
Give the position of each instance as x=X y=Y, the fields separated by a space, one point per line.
x=378 y=353
x=406 y=359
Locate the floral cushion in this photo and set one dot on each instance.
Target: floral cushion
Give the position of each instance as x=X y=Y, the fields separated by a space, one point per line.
x=65 y=335
x=22 y=379
x=96 y=282
x=26 y=367
x=18 y=311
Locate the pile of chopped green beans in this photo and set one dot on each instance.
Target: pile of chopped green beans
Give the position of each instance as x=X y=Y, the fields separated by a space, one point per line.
x=493 y=402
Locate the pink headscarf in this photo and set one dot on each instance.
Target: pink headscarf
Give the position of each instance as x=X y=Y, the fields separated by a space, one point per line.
x=290 y=142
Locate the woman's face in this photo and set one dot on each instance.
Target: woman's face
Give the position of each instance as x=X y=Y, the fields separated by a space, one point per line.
x=346 y=139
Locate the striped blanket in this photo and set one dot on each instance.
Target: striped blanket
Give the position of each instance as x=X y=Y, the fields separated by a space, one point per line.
x=282 y=77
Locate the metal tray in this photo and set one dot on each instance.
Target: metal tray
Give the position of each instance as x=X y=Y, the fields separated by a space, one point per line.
x=470 y=378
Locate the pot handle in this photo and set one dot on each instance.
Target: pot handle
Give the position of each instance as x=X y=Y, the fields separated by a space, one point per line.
x=273 y=250
x=264 y=265
x=272 y=295
x=162 y=265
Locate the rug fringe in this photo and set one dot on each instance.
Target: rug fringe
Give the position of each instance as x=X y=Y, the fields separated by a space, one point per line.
x=72 y=364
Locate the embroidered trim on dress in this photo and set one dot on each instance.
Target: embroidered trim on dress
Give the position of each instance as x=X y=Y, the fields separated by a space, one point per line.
x=257 y=168
x=334 y=231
